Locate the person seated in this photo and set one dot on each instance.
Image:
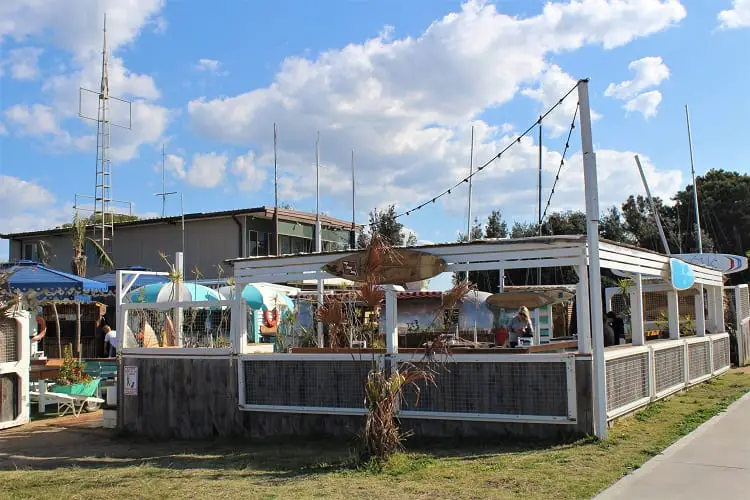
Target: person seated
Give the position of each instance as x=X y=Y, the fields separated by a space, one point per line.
x=520 y=326
x=618 y=325
x=609 y=333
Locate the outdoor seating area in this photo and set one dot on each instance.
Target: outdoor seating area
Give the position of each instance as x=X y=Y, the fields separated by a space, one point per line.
x=562 y=387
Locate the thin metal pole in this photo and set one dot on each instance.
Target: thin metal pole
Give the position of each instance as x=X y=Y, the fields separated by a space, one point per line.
x=471 y=172
x=695 y=186
x=539 y=199
x=353 y=237
x=275 y=192
x=653 y=207
x=182 y=212
x=318 y=235
x=163 y=184
x=595 y=277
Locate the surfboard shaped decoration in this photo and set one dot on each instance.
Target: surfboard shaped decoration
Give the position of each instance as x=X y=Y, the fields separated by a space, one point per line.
x=681 y=274
x=725 y=263
x=529 y=298
x=398 y=267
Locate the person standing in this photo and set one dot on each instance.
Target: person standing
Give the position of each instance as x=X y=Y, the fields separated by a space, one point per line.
x=110 y=337
x=520 y=326
x=618 y=325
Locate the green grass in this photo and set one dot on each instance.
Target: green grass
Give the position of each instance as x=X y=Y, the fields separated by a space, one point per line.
x=123 y=468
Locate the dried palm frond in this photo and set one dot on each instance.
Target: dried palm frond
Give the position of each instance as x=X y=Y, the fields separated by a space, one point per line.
x=79 y=239
x=384 y=395
x=371 y=294
x=8 y=300
x=456 y=294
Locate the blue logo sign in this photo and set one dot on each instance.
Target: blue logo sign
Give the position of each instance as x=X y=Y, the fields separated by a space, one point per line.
x=682 y=275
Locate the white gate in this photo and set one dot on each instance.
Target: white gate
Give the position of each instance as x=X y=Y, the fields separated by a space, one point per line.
x=15 y=347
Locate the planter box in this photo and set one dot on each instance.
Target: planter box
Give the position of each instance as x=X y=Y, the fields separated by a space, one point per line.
x=86 y=390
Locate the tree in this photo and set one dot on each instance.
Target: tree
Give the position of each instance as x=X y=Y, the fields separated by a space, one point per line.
x=496 y=226
x=611 y=226
x=78 y=263
x=385 y=223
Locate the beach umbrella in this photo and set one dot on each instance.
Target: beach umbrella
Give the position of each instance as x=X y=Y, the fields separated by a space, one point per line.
x=44 y=284
x=167 y=292
x=260 y=296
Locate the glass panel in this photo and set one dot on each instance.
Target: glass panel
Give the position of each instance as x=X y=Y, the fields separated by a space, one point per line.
x=262 y=244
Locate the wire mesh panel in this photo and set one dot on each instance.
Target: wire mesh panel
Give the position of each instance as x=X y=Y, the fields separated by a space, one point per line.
x=332 y=384
x=669 y=368
x=149 y=327
x=699 y=360
x=9 y=352
x=494 y=388
x=721 y=353
x=744 y=302
x=627 y=380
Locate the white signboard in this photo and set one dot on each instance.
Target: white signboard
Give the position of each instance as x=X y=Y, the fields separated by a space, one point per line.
x=131 y=380
x=723 y=262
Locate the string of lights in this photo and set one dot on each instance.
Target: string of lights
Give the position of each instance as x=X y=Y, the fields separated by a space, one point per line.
x=562 y=161
x=491 y=160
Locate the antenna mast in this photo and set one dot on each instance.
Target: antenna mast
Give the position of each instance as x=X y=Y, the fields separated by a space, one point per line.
x=164 y=192
x=471 y=174
x=104 y=217
x=698 y=235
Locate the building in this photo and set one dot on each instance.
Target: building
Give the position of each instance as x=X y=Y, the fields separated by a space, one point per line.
x=209 y=239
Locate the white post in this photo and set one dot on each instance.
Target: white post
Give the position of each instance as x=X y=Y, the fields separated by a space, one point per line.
x=595 y=278
x=318 y=232
x=673 y=310
x=582 y=308
x=719 y=302
x=700 y=313
x=180 y=267
x=239 y=321
x=636 y=311
x=391 y=320
x=119 y=319
x=537 y=335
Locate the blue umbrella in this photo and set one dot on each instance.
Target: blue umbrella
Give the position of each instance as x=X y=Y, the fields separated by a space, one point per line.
x=49 y=284
x=261 y=297
x=165 y=292
x=110 y=279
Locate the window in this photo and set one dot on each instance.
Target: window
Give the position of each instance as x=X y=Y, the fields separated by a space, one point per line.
x=289 y=245
x=257 y=243
x=30 y=251
x=334 y=246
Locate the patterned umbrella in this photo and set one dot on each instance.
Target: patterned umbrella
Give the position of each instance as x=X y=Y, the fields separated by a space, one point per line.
x=44 y=284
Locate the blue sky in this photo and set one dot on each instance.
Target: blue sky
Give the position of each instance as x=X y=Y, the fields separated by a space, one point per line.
x=399 y=82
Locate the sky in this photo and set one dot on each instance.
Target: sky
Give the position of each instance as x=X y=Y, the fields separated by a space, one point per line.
x=400 y=83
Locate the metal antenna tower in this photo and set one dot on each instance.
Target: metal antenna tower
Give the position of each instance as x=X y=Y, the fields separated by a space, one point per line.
x=104 y=217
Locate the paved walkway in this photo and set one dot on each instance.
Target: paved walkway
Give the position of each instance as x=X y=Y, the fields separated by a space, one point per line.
x=711 y=463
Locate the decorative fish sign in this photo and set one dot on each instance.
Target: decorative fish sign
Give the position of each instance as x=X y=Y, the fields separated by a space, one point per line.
x=399 y=266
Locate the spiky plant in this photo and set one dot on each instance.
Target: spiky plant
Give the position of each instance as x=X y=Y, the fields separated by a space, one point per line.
x=8 y=300
x=385 y=394
x=79 y=240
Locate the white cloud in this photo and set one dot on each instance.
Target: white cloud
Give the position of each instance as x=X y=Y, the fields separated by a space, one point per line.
x=77 y=26
x=3 y=130
x=246 y=168
x=23 y=63
x=406 y=104
x=207 y=170
x=553 y=84
x=645 y=103
x=17 y=195
x=176 y=165
x=81 y=36
x=210 y=66
x=649 y=72
x=35 y=120
x=737 y=17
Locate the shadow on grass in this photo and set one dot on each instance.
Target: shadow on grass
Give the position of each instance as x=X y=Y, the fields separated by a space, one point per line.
x=49 y=448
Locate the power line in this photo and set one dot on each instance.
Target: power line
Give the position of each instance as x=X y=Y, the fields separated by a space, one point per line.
x=491 y=160
x=562 y=163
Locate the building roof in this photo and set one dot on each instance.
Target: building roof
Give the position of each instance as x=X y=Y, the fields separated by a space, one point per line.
x=259 y=212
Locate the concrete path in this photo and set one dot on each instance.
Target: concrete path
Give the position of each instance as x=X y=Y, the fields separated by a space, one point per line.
x=712 y=463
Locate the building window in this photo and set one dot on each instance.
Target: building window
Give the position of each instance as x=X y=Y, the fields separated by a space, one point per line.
x=30 y=251
x=257 y=243
x=334 y=246
x=289 y=245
